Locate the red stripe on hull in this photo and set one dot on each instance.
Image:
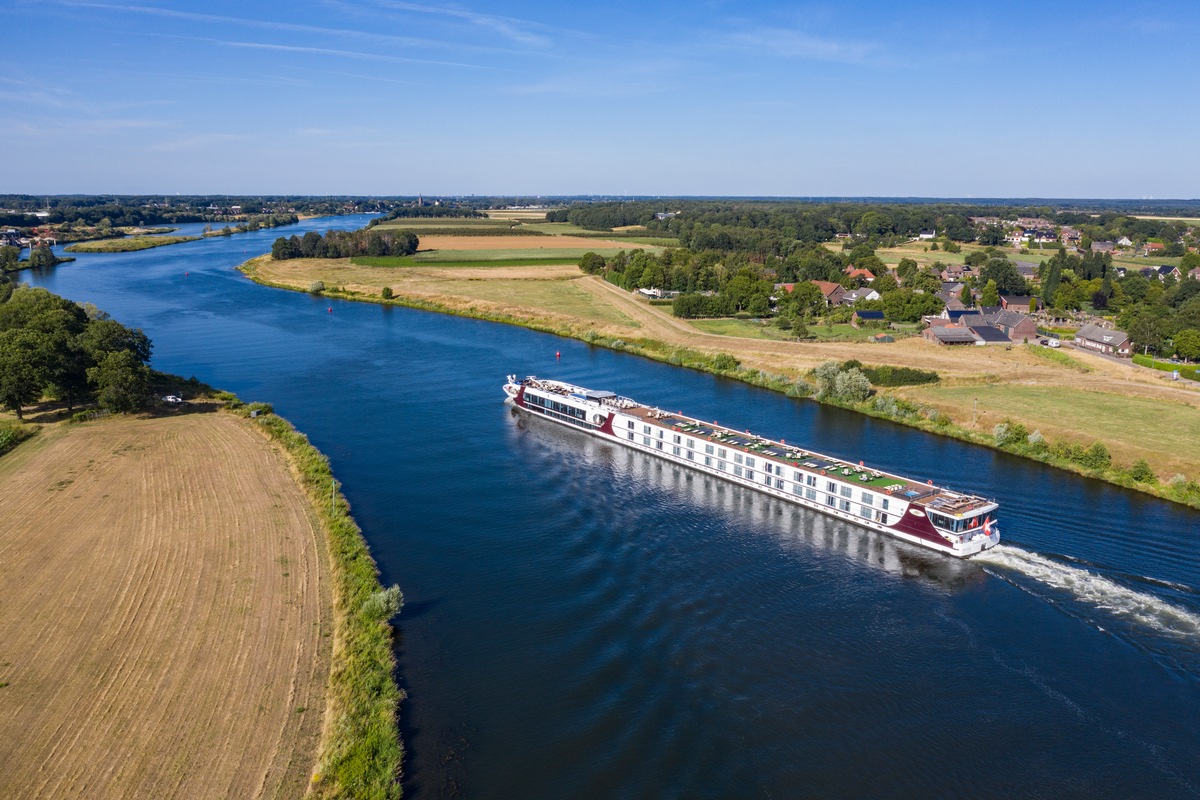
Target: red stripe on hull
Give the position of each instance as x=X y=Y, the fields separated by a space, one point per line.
x=919 y=527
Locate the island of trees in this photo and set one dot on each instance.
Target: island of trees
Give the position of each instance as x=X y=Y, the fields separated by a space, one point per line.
x=346 y=244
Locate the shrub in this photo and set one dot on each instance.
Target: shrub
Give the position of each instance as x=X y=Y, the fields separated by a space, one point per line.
x=1096 y=456
x=852 y=386
x=1036 y=441
x=386 y=294
x=724 y=362
x=1140 y=471
x=316 y=287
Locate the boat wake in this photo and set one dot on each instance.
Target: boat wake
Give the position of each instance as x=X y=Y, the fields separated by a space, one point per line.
x=1094 y=589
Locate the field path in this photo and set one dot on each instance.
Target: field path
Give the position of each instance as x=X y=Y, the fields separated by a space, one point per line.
x=164 y=608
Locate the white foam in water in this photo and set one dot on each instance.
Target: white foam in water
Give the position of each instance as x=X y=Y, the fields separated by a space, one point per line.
x=1095 y=589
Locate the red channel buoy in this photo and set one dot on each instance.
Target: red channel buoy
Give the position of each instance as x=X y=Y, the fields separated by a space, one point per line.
x=557 y=354
x=331 y=309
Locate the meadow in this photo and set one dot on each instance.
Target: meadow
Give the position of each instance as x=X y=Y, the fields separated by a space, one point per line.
x=127 y=244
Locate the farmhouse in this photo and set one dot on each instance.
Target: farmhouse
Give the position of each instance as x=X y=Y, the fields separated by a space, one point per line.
x=865 y=274
x=949 y=335
x=926 y=235
x=1103 y=340
x=1016 y=326
x=1019 y=303
x=854 y=295
x=870 y=317
x=832 y=292
x=1103 y=247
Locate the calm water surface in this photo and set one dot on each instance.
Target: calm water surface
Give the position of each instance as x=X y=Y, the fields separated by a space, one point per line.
x=583 y=621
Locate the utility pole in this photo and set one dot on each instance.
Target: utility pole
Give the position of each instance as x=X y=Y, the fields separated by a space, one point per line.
x=975 y=412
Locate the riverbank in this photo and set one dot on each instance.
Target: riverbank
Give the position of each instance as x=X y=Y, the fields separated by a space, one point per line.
x=306 y=655
x=128 y=244
x=783 y=366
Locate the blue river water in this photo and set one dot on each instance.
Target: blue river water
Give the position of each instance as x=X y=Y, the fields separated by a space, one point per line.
x=583 y=621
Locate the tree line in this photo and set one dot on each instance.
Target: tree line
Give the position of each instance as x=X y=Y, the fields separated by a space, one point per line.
x=346 y=244
x=53 y=347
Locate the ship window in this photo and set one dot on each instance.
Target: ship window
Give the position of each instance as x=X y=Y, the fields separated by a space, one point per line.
x=721 y=452
x=708 y=448
x=847 y=491
x=631 y=436
x=646 y=440
x=831 y=486
x=778 y=470
x=810 y=480
x=645 y=429
x=865 y=511
x=750 y=474
x=885 y=519
x=707 y=461
x=884 y=504
x=721 y=465
x=810 y=494
x=796 y=476
x=868 y=499
x=678 y=438
x=749 y=462
x=660 y=434
x=691 y=456
x=779 y=483
x=675 y=450
x=658 y=445
x=737 y=458
x=831 y=500
x=737 y=471
x=797 y=488
x=845 y=505
x=631 y=424
x=691 y=443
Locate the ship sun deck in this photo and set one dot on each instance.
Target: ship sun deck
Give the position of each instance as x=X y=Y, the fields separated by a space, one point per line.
x=944 y=500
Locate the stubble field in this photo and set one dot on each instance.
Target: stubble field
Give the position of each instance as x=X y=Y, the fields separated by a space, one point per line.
x=166 y=606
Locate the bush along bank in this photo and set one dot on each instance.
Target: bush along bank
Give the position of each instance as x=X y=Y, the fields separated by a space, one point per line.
x=1179 y=489
x=360 y=752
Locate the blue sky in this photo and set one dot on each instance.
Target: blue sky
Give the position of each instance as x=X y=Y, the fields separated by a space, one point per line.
x=984 y=99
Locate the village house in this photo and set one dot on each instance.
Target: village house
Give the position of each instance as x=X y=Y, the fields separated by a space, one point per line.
x=951 y=294
x=1194 y=273
x=855 y=272
x=832 y=292
x=1016 y=326
x=1036 y=223
x=854 y=295
x=954 y=272
x=869 y=317
x=881 y=338
x=1103 y=247
x=1151 y=248
x=949 y=335
x=1027 y=270
x=1103 y=340
x=926 y=235
x=1125 y=241
x=1068 y=235
x=1014 y=302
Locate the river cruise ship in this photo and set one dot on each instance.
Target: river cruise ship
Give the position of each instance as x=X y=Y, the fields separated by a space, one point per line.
x=956 y=524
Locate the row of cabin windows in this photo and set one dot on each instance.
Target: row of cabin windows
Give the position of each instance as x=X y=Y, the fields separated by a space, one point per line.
x=554 y=405
x=866 y=498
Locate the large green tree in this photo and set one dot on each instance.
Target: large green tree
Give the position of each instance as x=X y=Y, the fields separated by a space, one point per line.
x=122 y=382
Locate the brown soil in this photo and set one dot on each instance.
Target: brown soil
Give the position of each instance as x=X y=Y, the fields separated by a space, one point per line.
x=165 y=612
x=435 y=242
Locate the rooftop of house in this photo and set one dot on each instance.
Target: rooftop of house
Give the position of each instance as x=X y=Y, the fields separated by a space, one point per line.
x=865 y=314
x=989 y=333
x=1109 y=336
x=952 y=335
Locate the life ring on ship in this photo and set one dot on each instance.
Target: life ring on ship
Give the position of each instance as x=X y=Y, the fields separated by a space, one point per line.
x=860 y=463
x=822 y=472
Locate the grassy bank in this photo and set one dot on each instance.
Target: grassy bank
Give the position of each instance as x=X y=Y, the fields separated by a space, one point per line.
x=897 y=409
x=128 y=244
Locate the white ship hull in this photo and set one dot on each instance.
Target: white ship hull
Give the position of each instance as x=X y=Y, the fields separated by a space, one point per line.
x=921 y=514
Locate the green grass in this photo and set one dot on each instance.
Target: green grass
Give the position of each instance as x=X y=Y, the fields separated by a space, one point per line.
x=1132 y=422
x=409 y=261
x=743 y=328
x=433 y=223
x=537 y=255
x=128 y=245
x=1058 y=357
x=557 y=228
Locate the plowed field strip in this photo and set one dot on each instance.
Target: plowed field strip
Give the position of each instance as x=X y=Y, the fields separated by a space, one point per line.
x=162 y=611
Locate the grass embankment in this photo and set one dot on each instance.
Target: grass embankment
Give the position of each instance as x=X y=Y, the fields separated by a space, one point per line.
x=128 y=244
x=766 y=329
x=360 y=753
x=1189 y=371
x=780 y=365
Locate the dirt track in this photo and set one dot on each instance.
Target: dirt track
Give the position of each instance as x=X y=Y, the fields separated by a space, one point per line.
x=165 y=607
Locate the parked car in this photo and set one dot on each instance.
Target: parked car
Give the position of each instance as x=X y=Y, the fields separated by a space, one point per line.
x=1054 y=343
x=174 y=400
x=1043 y=342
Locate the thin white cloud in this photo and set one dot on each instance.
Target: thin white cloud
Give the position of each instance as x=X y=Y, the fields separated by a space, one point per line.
x=517 y=30
x=792 y=43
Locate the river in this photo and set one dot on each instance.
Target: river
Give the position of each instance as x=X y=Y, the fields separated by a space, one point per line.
x=587 y=622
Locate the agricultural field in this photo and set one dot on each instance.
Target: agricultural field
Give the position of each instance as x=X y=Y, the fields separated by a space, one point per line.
x=1065 y=410
x=167 y=613
x=519 y=214
x=766 y=329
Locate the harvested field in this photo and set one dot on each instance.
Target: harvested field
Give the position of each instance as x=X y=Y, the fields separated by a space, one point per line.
x=435 y=242
x=167 y=607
